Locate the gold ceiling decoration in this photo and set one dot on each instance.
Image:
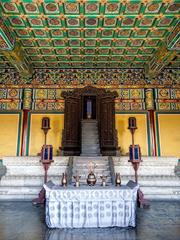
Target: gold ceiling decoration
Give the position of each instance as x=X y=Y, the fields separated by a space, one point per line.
x=90 y=34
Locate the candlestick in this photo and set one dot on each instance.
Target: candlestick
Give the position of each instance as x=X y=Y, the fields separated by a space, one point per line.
x=45 y=126
x=132 y=123
x=45 y=123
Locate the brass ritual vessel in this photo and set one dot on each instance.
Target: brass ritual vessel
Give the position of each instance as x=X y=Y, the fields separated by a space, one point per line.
x=77 y=180
x=118 y=179
x=64 y=180
x=91 y=178
x=103 y=178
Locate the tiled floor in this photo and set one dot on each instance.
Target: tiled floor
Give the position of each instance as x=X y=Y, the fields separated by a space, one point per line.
x=22 y=221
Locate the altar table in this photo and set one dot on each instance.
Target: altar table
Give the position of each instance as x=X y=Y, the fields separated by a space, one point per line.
x=87 y=207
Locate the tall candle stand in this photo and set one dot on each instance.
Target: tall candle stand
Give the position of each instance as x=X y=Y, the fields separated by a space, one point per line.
x=134 y=150
x=46 y=159
x=47 y=150
x=45 y=127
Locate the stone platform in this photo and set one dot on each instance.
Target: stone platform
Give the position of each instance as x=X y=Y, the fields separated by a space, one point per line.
x=157 y=176
x=24 y=176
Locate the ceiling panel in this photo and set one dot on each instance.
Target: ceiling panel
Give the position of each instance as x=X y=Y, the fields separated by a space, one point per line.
x=108 y=33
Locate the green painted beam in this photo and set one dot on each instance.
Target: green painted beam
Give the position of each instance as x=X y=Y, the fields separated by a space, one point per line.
x=13 y=51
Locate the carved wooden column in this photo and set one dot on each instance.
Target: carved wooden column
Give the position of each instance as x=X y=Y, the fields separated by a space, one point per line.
x=71 y=144
x=108 y=135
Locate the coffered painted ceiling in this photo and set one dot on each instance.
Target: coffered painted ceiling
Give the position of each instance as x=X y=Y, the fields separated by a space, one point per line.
x=91 y=34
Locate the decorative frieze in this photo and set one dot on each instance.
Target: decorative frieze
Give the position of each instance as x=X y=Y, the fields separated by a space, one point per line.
x=10 y=99
x=130 y=99
x=77 y=78
x=48 y=99
x=167 y=99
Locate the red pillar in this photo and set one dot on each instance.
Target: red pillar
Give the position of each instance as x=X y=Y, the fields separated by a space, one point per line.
x=24 y=132
x=27 y=103
x=152 y=133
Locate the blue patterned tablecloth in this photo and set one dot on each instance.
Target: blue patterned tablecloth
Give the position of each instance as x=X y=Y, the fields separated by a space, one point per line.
x=87 y=207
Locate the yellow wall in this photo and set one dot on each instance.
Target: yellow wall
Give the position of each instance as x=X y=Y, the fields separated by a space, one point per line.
x=124 y=135
x=9 y=124
x=169 y=134
x=54 y=135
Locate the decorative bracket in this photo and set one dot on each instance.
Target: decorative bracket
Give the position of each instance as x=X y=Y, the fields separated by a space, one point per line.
x=161 y=58
x=13 y=51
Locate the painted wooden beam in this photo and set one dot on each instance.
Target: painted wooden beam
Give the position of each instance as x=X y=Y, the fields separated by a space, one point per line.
x=173 y=40
x=13 y=51
x=161 y=58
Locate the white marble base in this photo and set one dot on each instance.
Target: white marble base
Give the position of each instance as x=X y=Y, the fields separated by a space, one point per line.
x=25 y=176
x=157 y=177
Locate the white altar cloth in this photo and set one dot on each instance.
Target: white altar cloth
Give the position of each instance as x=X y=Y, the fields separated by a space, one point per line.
x=88 y=207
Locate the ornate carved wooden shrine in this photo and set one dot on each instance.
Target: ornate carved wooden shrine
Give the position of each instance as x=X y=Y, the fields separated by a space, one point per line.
x=71 y=142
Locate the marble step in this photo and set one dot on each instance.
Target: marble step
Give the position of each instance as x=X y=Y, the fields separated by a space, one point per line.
x=85 y=166
x=169 y=193
x=90 y=145
x=98 y=160
x=89 y=121
x=86 y=130
x=154 y=181
x=27 y=181
x=86 y=159
x=90 y=142
x=96 y=171
x=90 y=136
x=86 y=124
x=89 y=131
x=33 y=161
x=19 y=193
x=90 y=148
x=147 y=170
x=154 y=161
x=98 y=167
x=88 y=127
x=91 y=154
